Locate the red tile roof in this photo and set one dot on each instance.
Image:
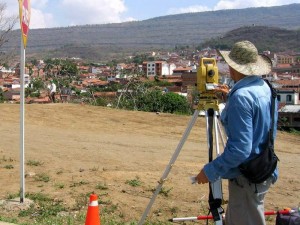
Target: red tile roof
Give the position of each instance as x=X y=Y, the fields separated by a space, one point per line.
x=187 y=68
x=105 y=94
x=295 y=82
x=283 y=65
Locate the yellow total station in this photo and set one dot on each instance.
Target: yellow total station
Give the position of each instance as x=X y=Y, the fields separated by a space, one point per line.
x=207 y=80
x=207 y=75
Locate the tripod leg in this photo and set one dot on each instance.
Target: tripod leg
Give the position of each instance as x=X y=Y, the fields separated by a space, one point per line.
x=169 y=166
x=221 y=134
x=209 y=132
x=215 y=188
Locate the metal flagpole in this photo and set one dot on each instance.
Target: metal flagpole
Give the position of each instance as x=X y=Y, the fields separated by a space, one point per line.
x=22 y=123
x=24 y=12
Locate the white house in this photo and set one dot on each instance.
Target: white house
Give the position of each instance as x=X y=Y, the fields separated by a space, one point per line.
x=159 y=68
x=151 y=69
x=289 y=97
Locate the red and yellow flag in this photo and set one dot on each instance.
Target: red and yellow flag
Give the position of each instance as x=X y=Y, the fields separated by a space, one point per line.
x=24 y=8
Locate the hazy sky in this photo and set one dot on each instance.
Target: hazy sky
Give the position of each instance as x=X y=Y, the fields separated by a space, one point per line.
x=61 y=13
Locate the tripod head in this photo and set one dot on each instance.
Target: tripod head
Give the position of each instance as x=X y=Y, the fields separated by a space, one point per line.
x=207 y=80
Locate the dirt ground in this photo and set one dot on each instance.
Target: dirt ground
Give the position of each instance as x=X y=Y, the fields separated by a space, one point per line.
x=83 y=147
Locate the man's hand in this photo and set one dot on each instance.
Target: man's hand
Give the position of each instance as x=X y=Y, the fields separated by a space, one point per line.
x=202 y=178
x=222 y=88
x=221 y=92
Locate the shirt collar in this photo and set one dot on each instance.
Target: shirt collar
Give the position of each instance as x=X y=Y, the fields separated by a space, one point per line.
x=244 y=82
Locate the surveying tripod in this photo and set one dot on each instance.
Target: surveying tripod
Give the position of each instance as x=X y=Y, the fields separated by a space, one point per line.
x=207 y=77
x=215 y=189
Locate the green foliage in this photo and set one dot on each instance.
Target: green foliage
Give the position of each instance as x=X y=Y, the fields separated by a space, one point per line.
x=9 y=167
x=101 y=186
x=138 y=59
x=42 y=177
x=174 y=103
x=110 y=209
x=60 y=67
x=33 y=94
x=69 y=68
x=77 y=91
x=264 y=38
x=135 y=182
x=291 y=130
x=147 y=99
x=100 y=102
x=33 y=163
x=80 y=201
x=9 y=220
x=1 y=96
x=295 y=131
x=165 y=192
x=111 y=87
x=43 y=208
x=59 y=186
x=4 y=159
x=37 y=83
x=150 y=101
x=78 y=184
x=35 y=86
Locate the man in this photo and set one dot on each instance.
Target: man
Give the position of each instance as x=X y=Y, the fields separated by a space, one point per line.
x=52 y=91
x=247 y=120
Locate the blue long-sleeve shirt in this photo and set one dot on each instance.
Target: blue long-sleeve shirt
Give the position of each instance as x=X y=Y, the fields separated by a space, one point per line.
x=247 y=120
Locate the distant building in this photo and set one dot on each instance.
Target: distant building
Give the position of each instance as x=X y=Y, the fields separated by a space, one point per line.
x=284 y=59
x=158 y=68
x=95 y=70
x=189 y=79
x=288 y=84
x=289 y=97
x=289 y=116
x=289 y=101
x=12 y=95
x=183 y=69
x=287 y=68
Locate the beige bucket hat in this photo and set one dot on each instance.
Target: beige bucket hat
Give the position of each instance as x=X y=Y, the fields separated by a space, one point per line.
x=245 y=59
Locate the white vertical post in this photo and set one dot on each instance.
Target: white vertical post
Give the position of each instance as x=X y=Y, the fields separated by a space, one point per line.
x=22 y=123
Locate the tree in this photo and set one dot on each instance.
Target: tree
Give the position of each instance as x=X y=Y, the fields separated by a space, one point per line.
x=60 y=67
x=136 y=95
x=7 y=23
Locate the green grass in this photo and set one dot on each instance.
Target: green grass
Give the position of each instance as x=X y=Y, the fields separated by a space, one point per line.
x=78 y=184
x=33 y=163
x=9 y=167
x=163 y=191
x=42 y=177
x=101 y=187
x=59 y=185
x=49 y=211
x=135 y=182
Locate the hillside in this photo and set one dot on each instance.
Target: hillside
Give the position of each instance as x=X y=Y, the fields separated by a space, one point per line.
x=104 y=41
x=73 y=150
x=265 y=38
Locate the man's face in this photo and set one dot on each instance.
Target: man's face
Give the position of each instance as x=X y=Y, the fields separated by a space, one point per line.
x=233 y=74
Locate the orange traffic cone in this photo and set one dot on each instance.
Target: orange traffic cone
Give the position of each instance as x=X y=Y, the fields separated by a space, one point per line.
x=93 y=215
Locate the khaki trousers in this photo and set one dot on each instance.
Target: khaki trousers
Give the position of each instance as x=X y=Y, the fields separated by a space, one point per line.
x=246 y=202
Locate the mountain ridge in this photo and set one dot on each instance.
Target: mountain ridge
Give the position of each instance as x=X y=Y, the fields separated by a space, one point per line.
x=165 y=32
